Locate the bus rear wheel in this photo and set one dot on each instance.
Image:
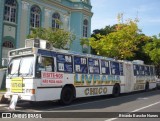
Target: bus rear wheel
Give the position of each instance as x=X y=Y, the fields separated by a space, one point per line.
x=66 y=96
x=116 y=90
x=147 y=87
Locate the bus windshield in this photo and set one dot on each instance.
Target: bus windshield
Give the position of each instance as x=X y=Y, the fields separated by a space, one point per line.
x=22 y=66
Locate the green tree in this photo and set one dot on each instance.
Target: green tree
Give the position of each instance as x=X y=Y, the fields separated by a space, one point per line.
x=152 y=48
x=58 y=37
x=120 y=44
x=102 y=31
x=140 y=53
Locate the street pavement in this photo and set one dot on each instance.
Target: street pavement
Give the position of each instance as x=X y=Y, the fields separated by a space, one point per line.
x=142 y=102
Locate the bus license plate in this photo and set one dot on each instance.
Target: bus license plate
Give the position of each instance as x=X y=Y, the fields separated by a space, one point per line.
x=17 y=85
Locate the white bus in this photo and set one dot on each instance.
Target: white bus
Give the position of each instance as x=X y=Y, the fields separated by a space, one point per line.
x=39 y=72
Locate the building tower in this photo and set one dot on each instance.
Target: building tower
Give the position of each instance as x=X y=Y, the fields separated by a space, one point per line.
x=17 y=17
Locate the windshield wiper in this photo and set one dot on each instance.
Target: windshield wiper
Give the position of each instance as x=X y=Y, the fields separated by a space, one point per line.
x=24 y=74
x=29 y=72
x=19 y=66
x=16 y=72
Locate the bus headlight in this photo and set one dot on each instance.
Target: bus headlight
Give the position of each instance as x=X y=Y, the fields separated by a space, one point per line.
x=31 y=91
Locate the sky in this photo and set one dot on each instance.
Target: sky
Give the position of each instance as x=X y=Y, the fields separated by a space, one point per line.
x=148 y=12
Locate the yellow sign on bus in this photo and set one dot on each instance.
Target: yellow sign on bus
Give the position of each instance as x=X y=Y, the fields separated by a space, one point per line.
x=17 y=85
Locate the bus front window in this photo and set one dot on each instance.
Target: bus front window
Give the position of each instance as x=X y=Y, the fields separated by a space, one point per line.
x=22 y=66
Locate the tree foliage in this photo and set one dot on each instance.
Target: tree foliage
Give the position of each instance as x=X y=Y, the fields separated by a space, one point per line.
x=102 y=31
x=152 y=48
x=121 y=42
x=58 y=37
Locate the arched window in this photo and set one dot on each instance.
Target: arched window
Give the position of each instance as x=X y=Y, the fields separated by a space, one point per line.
x=85 y=28
x=10 y=10
x=56 y=20
x=86 y=1
x=35 y=19
x=8 y=44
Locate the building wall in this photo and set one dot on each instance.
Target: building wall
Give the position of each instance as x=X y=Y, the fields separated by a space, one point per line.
x=1 y=24
x=72 y=13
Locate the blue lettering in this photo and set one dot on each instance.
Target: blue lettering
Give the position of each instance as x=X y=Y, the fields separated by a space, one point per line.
x=76 y=79
x=82 y=78
x=88 y=78
x=110 y=77
x=117 y=78
x=97 y=79
x=104 y=79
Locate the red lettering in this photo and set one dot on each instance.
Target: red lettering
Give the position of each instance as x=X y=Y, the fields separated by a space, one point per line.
x=43 y=75
x=61 y=76
x=45 y=81
x=51 y=75
x=58 y=81
x=48 y=75
x=51 y=81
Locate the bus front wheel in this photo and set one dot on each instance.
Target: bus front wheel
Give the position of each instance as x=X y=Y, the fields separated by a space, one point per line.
x=66 y=95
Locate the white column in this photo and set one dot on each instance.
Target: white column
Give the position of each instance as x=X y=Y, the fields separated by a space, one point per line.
x=25 y=5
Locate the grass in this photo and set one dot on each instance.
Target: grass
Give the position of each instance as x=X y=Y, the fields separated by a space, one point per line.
x=2 y=90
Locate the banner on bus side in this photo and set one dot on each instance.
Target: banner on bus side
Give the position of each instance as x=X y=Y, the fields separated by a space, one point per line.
x=52 y=77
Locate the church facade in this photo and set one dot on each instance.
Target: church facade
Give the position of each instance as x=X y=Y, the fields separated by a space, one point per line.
x=18 y=17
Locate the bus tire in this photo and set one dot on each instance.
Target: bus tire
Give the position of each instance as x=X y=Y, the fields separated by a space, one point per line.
x=158 y=88
x=116 y=90
x=147 y=86
x=67 y=95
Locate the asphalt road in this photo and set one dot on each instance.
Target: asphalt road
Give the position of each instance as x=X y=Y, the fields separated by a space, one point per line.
x=104 y=108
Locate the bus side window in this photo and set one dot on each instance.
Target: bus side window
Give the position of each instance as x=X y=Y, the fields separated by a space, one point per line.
x=94 y=67
x=47 y=64
x=151 y=70
x=136 y=70
x=64 y=63
x=80 y=65
x=147 y=72
x=105 y=67
x=115 y=68
x=141 y=70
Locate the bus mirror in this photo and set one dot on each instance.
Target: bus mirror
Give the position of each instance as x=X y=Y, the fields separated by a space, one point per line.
x=40 y=59
x=4 y=62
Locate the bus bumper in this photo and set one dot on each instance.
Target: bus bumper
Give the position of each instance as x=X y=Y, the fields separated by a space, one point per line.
x=24 y=97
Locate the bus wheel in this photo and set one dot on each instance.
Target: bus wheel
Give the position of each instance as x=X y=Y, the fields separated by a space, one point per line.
x=116 y=90
x=66 y=95
x=147 y=87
